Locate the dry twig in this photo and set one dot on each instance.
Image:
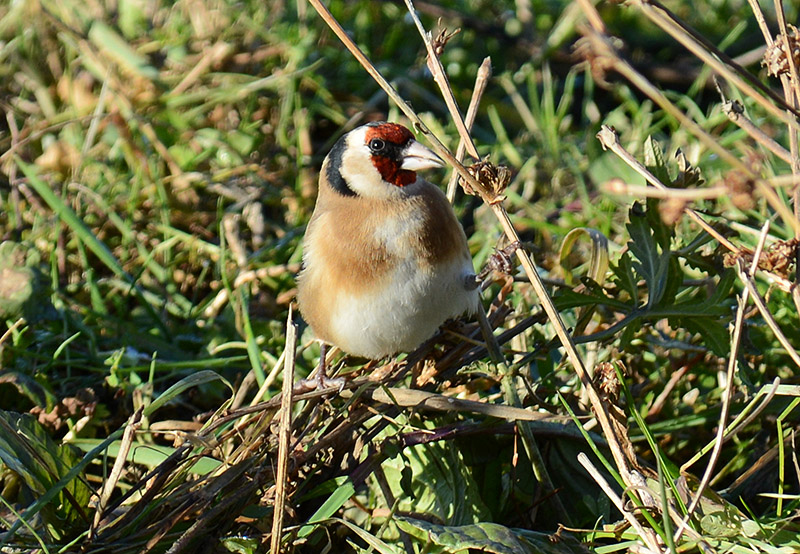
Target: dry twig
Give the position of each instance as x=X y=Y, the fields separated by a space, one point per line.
x=284 y=434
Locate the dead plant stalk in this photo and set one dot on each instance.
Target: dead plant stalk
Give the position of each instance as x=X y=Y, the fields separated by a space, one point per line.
x=284 y=434
x=736 y=338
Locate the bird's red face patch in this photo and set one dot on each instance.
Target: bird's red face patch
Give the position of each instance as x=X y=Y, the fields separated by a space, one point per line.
x=386 y=142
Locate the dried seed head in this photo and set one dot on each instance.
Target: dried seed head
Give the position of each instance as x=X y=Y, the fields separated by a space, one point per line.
x=778 y=258
x=494 y=178
x=440 y=41
x=775 y=57
x=606 y=381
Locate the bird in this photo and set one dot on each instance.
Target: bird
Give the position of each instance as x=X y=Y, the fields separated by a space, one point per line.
x=385 y=260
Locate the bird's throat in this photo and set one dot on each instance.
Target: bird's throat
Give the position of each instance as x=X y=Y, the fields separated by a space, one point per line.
x=392 y=173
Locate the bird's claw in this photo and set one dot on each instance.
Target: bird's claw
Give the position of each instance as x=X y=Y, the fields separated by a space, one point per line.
x=319 y=383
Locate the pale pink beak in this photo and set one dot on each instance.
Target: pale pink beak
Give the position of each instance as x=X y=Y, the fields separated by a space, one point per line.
x=416 y=157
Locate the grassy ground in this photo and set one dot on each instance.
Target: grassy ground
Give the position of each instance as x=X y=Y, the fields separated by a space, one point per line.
x=158 y=163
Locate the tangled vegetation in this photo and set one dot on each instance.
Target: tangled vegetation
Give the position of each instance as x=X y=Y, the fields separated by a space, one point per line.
x=639 y=164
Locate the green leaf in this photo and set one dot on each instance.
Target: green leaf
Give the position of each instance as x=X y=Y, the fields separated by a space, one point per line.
x=440 y=481
x=654 y=160
x=629 y=332
x=374 y=542
x=193 y=380
x=723 y=288
x=567 y=298
x=328 y=508
x=715 y=335
x=653 y=263
x=721 y=524
x=489 y=537
x=627 y=280
x=598 y=261
x=149 y=455
x=674 y=281
x=27 y=450
x=108 y=41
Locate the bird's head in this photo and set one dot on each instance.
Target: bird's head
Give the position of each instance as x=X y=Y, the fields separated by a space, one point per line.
x=377 y=159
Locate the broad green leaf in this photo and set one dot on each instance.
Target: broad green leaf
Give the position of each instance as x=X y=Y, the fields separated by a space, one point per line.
x=440 y=481
x=627 y=280
x=149 y=455
x=721 y=524
x=715 y=335
x=653 y=263
x=489 y=537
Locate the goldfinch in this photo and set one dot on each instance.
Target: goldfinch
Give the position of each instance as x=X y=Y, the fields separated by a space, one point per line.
x=385 y=261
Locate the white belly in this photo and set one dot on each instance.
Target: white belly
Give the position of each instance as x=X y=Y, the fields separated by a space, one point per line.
x=406 y=313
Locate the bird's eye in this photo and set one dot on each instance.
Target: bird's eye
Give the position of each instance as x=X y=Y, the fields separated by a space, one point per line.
x=377 y=145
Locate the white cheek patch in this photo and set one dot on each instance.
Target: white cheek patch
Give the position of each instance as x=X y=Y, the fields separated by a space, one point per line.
x=360 y=174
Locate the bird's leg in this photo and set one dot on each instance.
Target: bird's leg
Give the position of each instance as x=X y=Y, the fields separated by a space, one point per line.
x=322 y=366
x=321 y=381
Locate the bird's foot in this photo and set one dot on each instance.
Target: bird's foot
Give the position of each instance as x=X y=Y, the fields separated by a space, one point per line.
x=317 y=384
x=320 y=381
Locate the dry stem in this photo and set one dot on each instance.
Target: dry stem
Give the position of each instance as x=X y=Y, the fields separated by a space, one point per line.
x=284 y=434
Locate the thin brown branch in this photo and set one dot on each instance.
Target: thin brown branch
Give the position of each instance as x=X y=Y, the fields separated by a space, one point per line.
x=134 y=422
x=439 y=75
x=618 y=186
x=646 y=535
x=791 y=91
x=481 y=81
x=284 y=434
x=726 y=396
x=735 y=112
